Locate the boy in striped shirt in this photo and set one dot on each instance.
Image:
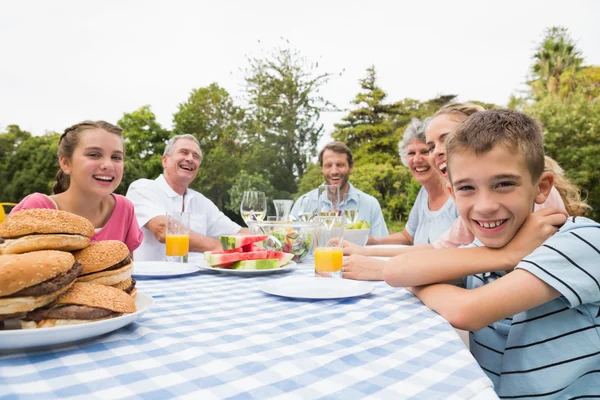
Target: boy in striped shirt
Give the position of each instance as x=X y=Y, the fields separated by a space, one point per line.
x=535 y=328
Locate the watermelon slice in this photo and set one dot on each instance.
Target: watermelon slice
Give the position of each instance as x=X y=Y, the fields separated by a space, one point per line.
x=226 y=259
x=208 y=253
x=223 y=259
x=256 y=264
x=251 y=247
x=234 y=241
x=283 y=258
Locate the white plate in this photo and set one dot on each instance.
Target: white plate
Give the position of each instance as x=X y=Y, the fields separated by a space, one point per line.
x=204 y=266
x=19 y=339
x=305 y=287
x=158 y=269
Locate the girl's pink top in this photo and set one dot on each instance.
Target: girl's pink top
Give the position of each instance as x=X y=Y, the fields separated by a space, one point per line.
x=122 y=224
x=459 y=235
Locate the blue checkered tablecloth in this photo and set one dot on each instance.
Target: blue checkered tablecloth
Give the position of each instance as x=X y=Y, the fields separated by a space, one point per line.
x=210 y=335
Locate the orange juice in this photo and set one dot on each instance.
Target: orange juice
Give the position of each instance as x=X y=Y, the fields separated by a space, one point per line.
x=177 y=245
x=328 y=259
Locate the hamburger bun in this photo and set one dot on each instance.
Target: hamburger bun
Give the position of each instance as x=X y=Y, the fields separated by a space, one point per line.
x=32 y=280
x=101 y=255
x=83 y=302
x=44 y=229
x=105 y=263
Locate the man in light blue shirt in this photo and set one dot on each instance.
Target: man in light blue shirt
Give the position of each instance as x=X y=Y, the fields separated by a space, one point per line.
x=336 y=164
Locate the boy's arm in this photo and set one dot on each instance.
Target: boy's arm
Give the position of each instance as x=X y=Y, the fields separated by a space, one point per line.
x=425 y=267
x=474 y=309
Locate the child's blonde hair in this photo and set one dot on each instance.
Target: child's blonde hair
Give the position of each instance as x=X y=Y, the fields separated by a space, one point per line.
x=569 y=192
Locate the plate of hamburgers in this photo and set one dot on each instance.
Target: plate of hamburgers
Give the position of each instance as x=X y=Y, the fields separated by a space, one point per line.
x=42 y=305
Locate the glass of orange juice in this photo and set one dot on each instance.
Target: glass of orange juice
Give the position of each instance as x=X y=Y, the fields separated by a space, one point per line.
x=329 y=250
x=177 y=236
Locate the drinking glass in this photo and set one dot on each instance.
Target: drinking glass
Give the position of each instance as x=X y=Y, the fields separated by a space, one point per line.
x=329 y=200
x=329 y=250
x=282 y=209
x=351 y=205
x=254 y=206
x=177 y=237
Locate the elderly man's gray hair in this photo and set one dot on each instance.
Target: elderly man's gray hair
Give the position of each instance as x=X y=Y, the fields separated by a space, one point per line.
x=174 y=139
x=414 y=131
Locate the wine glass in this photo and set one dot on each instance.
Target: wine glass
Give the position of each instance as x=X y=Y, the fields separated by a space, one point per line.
x=254 y=206
x=351 y=204
x=329 y=200
x=307 y=209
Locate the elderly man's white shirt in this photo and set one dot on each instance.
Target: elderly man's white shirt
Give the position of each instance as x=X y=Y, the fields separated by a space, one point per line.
x=153 y=198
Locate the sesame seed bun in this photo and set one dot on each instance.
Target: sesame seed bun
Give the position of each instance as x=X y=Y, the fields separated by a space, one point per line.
x=100 y=296
x=41 y=275
x=44 y=220
x=19 y=271
x=101 y=255
x=25 y=244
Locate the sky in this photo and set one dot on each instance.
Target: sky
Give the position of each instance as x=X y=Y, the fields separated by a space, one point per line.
x=62 y=61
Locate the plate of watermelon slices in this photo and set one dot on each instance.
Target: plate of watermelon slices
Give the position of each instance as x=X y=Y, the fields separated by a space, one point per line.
x=244 y=255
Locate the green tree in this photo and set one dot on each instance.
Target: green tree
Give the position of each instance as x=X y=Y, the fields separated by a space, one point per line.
x=556 y=62
x=369 y=129
x=284 y=105
x=145 y=143
x=212 y=117
x=31 y=167
x=572 y=138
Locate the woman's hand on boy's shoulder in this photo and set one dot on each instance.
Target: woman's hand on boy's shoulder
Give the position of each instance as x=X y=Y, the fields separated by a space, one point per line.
x=537 y=228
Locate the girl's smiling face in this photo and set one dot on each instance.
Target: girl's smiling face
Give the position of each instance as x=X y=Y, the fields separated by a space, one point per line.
x=97 y=162
x=436 y=133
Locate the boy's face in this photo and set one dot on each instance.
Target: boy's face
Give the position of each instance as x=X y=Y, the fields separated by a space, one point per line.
x=494 y=193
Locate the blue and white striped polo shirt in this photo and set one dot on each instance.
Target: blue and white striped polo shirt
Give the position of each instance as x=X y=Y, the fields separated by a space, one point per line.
x=551 y=351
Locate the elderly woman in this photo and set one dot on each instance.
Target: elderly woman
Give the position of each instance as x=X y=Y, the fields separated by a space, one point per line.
x=432 y=213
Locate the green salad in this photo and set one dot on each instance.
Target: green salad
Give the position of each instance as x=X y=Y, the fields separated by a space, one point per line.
x=297 y=243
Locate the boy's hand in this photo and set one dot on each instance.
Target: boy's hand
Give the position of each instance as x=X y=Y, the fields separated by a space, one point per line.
x=537 y=228
x=362 y=268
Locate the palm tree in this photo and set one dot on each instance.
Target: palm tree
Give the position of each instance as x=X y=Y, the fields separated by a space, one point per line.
x=557 y=58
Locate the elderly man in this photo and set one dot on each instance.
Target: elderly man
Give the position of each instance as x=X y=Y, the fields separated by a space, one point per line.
x=336 y=164
x=170 y=192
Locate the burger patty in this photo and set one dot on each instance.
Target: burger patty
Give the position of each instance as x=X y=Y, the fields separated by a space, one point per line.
x=1 y=240
x=130 y=288
x=70 y=312
x=50 y=286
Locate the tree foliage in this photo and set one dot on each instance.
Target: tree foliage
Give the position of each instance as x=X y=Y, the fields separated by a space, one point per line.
x=284 y=106
x=566 y=97
x=212 y=117
x=29 y=163
x=144 y=145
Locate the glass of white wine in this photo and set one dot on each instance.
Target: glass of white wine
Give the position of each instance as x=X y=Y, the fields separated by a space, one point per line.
x=351 y=207
x=253 y=207
x=307 y=209
x=329 y=200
